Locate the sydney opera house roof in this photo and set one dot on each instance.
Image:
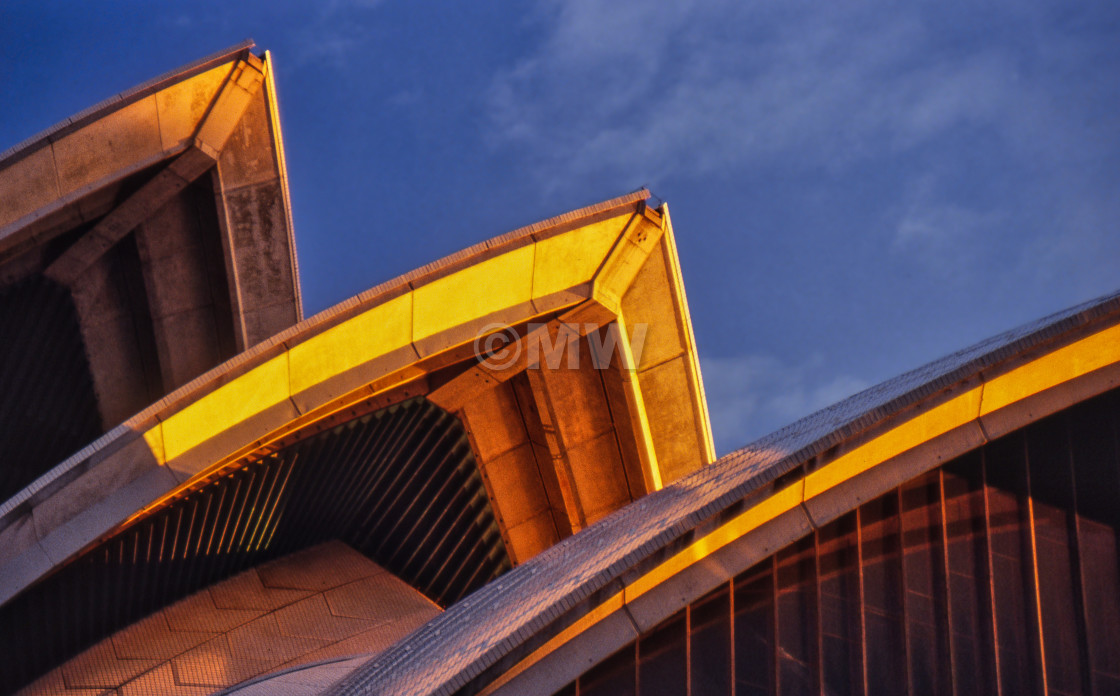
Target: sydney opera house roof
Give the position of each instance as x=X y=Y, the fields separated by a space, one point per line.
x=494 y=474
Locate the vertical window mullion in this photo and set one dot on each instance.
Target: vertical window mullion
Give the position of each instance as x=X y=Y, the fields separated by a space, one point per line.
x=994 y=624
x=775 y=634
x=862 y=603
x=818 y=659
x=946 y=577
x=906 y=664
x=731 y=633
x=1036 y=594
x=1085 y=649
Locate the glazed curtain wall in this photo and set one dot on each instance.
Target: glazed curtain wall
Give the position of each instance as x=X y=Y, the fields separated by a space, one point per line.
x=994 y=574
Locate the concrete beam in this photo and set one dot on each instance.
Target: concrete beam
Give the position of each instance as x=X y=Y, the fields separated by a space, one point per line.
x=210 y=137
x=581 y=435
x=544 y=343
x=124 y=218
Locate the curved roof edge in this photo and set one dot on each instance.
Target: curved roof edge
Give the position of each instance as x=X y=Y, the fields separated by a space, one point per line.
x=140 y=163
x=29 y=145
x=790 y=478
x=127 y=432
x=142 y=476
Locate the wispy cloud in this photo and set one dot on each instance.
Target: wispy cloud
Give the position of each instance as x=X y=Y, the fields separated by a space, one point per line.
x=331 y=47
x=334 y=32
x=996 y=110
x=704 y=85
x=947 y=237
x=752 y=395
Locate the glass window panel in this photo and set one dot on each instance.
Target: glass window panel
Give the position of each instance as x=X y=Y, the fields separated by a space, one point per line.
x=924 y=675
x=754 y=630
x=954 y=555
x=1102 y=595
x=924 y=574
x=1051 y=483
x=882 y=569
x=795 y=677
x=662 y=659
x=744 y=689
x=840 y=619
x=710 y=644
x=969 y=581
x=886 y=663
x=1106 y=684
x=1096 y=469
x=1012 y=625
x=613 y=676
x=964 y=516
x=797 y=617
x=841 y=668
x=1093 y=442
x=974 y=674
x=1012 y=570
x=885 y=643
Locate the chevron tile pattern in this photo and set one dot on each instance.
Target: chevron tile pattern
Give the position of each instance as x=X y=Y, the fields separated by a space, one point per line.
x=297 y=615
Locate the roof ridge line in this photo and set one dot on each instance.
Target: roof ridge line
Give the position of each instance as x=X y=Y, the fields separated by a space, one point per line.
x=28 y=145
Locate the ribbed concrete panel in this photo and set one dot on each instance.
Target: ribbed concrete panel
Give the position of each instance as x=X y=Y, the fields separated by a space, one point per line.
x=278 y=616
x=49 y=409
x=403 y=488
x=399 y=485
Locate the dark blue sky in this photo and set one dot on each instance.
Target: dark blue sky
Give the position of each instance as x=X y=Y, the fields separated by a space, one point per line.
x=857 y=188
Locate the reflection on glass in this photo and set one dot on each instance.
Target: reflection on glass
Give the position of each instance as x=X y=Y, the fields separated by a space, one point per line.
x=1001 y=567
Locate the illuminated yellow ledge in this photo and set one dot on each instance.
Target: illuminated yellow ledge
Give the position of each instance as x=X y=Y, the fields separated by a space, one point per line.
x=417 y=321
x=378 y=341
x=966 y=420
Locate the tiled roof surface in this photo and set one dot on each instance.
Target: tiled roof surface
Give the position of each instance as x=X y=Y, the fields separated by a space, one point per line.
x=424 y=519
x=302 y=680
x=316 y=605
x=473 y=634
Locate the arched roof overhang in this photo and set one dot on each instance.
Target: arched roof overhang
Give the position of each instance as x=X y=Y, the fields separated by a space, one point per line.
x=541 y=625
x=609 y=264
x=114 y=166
x=143 y=241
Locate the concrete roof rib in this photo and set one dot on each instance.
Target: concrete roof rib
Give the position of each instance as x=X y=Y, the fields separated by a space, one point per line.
x=114 y=439
x=116 y=101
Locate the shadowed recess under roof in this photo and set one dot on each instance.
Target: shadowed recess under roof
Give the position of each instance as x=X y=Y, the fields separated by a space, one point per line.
x=400 y=485
x=49 y=409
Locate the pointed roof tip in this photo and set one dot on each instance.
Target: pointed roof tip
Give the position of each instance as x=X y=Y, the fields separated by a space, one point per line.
x=652 y=200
